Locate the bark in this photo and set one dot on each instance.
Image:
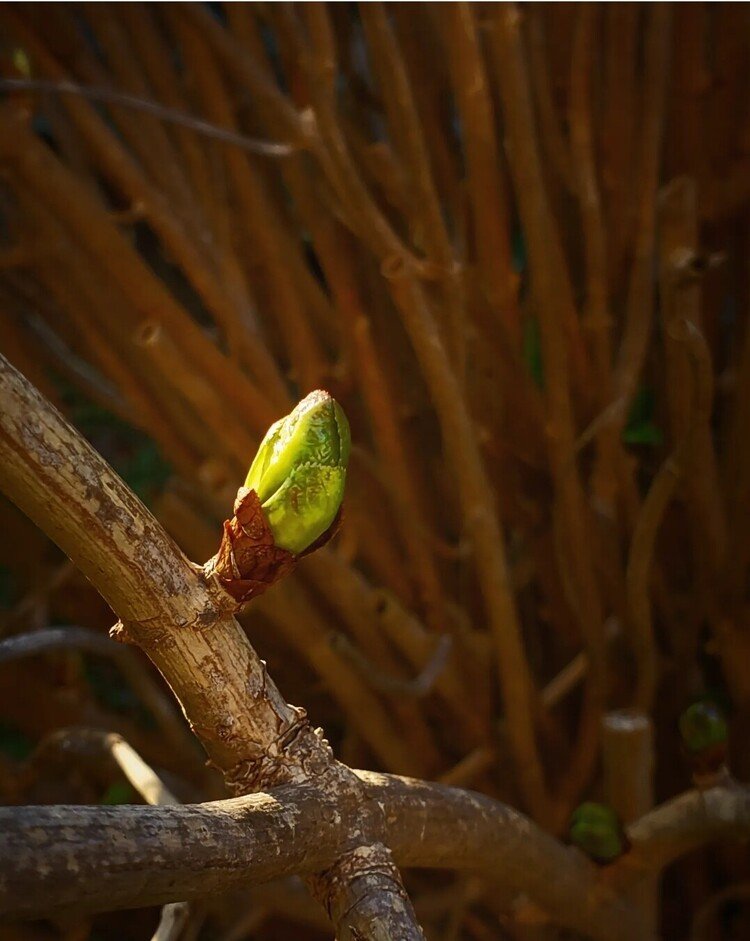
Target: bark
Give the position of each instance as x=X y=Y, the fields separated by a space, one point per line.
x=192 y=851
x=106 y=858
x=367 y=881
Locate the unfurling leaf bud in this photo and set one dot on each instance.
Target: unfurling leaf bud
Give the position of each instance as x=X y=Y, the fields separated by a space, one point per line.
x=595 y=828
x=299 y=471
x=291 y=500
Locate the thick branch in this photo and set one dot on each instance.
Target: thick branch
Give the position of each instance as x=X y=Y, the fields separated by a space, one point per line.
x=192 y=851
x=152 y=789
x=105 y=858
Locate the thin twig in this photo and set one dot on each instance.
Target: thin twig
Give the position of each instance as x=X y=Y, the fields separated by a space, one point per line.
x=486 y=171
x=111 y=96
x=418 y=687
x=80 y=638
x=333 y=151
x=640 y=294
x=97 y=385
x=574 y=672
x=661 y=492
x=559 y=150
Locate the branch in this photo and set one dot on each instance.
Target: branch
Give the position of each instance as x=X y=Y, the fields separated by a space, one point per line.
x=367 y=880
x=683 y=824
x=628 y=763
x=162 y=854
x=637 y=326
x=178 y=617
x=152 y=789
x=597 y=317
x=194 y=850
x=660 y=494
x=112 y=96
x=485 y=168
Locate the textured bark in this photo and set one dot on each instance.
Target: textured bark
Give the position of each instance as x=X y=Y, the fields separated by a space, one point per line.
x=105 y=858
x=192 y=851
x=366 y=881
x=64 y=855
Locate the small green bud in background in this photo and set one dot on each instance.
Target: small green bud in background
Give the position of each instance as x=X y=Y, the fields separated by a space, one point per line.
x=119 y=793
x=595 y=828
x=704 y=740
x=702 y=726
x=299 y=471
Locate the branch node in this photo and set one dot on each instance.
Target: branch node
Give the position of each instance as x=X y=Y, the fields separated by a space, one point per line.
x=297 y=751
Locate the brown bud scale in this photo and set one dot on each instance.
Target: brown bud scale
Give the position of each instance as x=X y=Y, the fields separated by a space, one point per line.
x=248 y=561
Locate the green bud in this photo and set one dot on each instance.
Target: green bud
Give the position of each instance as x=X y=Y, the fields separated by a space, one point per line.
x=702 y=727
x=299 y=471
x=596 y=830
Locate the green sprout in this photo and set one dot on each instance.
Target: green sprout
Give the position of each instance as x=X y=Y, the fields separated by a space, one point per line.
x=702 y=727
x=119 y=793
x=299 y=471
x=595 y=828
